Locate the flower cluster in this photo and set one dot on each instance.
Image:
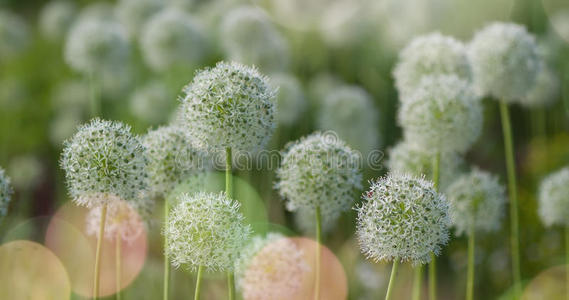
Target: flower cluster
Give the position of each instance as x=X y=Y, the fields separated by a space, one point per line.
x=56 y=19
x=554 y=199
x=103 y=161
x=5 y=193
x=230 y=105
x=133 y=13
x=291 y=103
x=402 y=218
x=322 y=171
x=206 y=229
x=14 y=35
x=477 y=202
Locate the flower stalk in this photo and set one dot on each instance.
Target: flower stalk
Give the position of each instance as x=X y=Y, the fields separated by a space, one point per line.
x=98 y=253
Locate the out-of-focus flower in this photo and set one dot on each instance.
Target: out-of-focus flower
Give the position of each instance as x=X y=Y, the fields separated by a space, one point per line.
x=56 y=18
x=152 y=102
x=291 y=103
x=545 y=91
x=14 y=34
x=554 y=200
x=25 y=171
x=134 y=13
x=6 y=192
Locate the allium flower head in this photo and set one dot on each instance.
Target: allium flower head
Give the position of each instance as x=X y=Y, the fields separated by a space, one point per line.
x=14 y=34
x=291 y=103
x=350 y=112
x=206 y=229
x=545 y=91
x=403 y=218
x=477 y=202
x=133 y=13
x=152 y=102
x=406 y=158
x=271 y=267
x=504 y=61
x=5 y=193
x=554 y=199
x=443 y=115
x=430 y=55
x=95 y=45
x=171 y=159
x=170 y=38
x=230 y=105
x=55 y=19
x=319 y=170
x=104 y=162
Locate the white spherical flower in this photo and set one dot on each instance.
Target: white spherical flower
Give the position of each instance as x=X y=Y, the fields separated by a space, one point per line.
x=14 y=34
x=56 y=18
x=230 y=105
x=443 y=115
x=428 y=55
x=554 y=198
x=322 y=171
x=504 y=61
x=152 y=102
x=171 y=159
x=351 y=113
x=134 y=13
x=172 y=38
x=291 y=103
x=6 y=192
x=206 y=229
x=271 y=267
x=409 y=159
x=104 y=162
x=95 y=45
x=403 y=218
x=248 y=36
x=477 y=202
x=545 y=91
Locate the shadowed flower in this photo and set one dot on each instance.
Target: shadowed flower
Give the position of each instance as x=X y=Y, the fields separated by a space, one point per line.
x=553 y=198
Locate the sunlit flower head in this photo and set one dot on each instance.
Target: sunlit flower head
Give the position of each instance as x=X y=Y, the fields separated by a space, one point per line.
x=554 y=200
x=545 y=91
x=14 y=34
x=443 y=115
x=504 y=61
x=152 y=102
x=56 y=18
x=6 y=192
x=134 y=13
x=291 y=102
x=402 y=218
x=104 y=162
x=230 y=105
x=477 y=202
x=206 y=229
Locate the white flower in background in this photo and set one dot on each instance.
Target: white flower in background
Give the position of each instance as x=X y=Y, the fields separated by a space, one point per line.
x=504 y=61
x=6 y=192
x=351 y=113
x=56 y=18
x=26 y=172
x=402 y=218
x=554 y=199
x=443 y=115
x=152 y=102
x=134 y=13
x=430 y=55
x=477 y=202
x=104 y=162
x=271 y=267
x=230 y=105
x=545 y=91
x=291 y=103
x=207 y=230
x=248 y=36
x=320 y=86
x=172 y=38
x=14 y=34
x=319 y=170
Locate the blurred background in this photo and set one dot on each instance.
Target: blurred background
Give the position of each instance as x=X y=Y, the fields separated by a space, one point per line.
x=313 y=50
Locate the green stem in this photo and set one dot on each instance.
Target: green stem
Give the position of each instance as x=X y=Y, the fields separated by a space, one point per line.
x=470 y=269
x=318 y=252
x=166 y=258
x=118 y=265
x=392 y=279
x=512 y=190
x=98 y=252
x=433 y=264
x=198 y=283
x=94 y=97
x=417 y=281
x=230 y=285
x=229 y=192
x=567 y=262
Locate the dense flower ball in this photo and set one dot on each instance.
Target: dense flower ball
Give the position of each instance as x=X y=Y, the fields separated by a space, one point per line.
x=319 y=170
x=206 y=229
x=477 y=202
x=403 y=218
x=504 y=61
x=230 y=105
x=554 y=199
x=247 y=36
x=545 y=91
x=406 y=158
x=134 y=13
x=291 y=103
x=56 y=18
x=271 y=267
x=443 y=115
x=432 y=54
x=350 y=112
x=172 y=38
x=152 y=102
x=14 y=34
x=171 y=159
x=95 y=45
x=5 y=193
x=104 y=162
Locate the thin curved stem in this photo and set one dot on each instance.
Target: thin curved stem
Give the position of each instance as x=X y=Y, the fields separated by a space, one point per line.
x=118 y=267
x=166 y=258
x=100 y=237
x=417 y=282
x=229 y=192
x=392 y=279
x=318 y=252
x=198 y=283
x=513 y=195
x=433 y=263
x=470 y=268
